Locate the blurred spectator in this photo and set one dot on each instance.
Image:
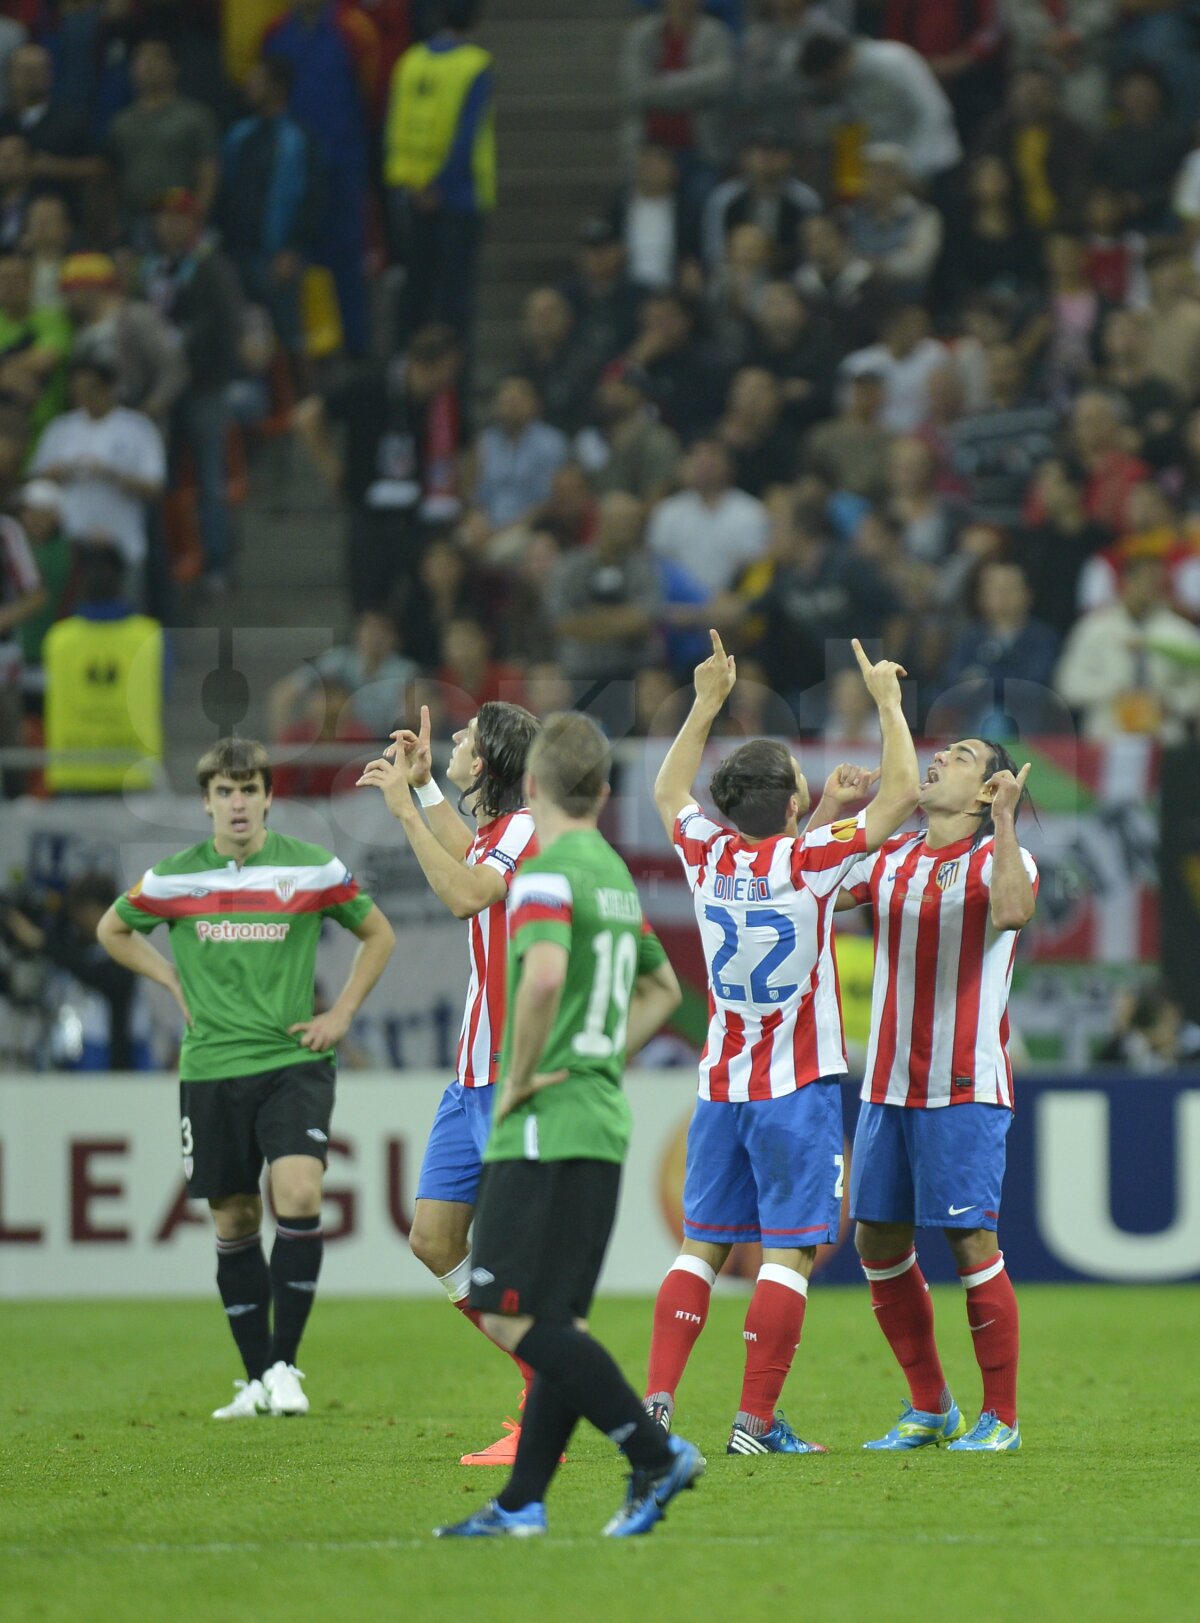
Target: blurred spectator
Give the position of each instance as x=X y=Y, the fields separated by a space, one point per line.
x=709 y=528
x=332 y=51
x=550 y=356
x=866 y=90
x=1116 y=670
x=899 y=236
x=1174 y=342
x=603 y=298
x=987 y=246
x=628 y=448
x=770 y=91
x=658 y=223
x=603 y=602
x=193 y=286
x=838 y=285
x=1003 y=644
x=995 y=451
x=469 y=675
x=1097 y=436
x=1150 y=1033
x=1154 y=407
x=60 y=145
x=22 y=596
x=851 y=717
x=398 y=470
x=675 y=79
x=765 y=193
x=658 y=703
x=1048 y=152
x=963 y=42
x=15 y=192
x=528 y=627
x=1072 y=35
x=1055 y=551
x=113 y=1025
x=104 y=677
x=763 y=452
x=516 y=459
x=685 y=378
x=851 y=449
x=444 y=588
x=905 y=358
x=12 y=36
x=124 y=334
x=1062 y=335
x=571 y=515
x=798 y=350
x=439 y=165
x=46 y=240
x=1155 y=531
x=1114 y=257
x=163 y=140
x=110 y=463
x=547 y=690
x=39 y=513
x=34 y=344
x=325 y=719
x=733 y=294
x=270 y=203
x=1140 y=153
x=929 y=522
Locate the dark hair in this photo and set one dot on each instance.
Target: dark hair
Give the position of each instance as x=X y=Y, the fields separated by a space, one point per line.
x=432 y=344
x=459 y=15
x=998 y=760
x=281 y=71
x=824 y=49
x=504 y=735
x=101 y=572
x=236 y=758
x=96 y=888
x=571 y=759
x=753 y=785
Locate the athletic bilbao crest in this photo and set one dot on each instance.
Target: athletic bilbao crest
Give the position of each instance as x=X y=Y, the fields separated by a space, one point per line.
x=285 y=889
x=946 y=875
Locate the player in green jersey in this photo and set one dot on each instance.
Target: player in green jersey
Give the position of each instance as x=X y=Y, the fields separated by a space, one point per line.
x=245 y=910
x=587 y=980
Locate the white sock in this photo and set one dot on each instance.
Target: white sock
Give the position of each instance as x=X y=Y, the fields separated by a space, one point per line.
x=457 y=1283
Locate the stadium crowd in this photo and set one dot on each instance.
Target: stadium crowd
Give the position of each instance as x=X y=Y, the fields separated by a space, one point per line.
x=893 y=328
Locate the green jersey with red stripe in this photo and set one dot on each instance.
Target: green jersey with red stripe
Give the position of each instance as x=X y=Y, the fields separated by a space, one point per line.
x=579 y=895
x=244 y=942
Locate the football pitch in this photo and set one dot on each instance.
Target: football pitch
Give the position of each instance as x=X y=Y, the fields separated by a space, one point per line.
x=120 y=1499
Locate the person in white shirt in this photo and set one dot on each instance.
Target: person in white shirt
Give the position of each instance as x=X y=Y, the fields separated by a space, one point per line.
x=1129 y=668
x=109 y=460
x=710 y=528
x=906 y=359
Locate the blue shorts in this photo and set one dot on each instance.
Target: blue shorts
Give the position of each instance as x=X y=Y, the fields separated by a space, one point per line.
x=768 y=1170
x=453 y=1163
x=936 y=1169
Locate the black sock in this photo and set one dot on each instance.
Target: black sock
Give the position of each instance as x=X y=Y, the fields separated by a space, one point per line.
x=587 y=1377
x=295 y=1265
x=245 y=1287
x=546 y=1426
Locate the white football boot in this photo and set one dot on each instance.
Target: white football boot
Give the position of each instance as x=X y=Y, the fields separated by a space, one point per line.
x=249 y=1402
x=283 y=1390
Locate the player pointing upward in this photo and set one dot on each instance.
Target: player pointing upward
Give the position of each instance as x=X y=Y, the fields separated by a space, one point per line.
x=764 y=1155
x=937 y=1096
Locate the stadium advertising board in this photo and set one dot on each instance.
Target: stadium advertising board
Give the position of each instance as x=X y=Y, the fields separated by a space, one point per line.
x=1103 y=1184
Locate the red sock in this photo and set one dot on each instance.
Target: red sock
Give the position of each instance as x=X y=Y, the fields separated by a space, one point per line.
x=901 y=1301
x=995 y=1331
x=774 y=1320
x=468 y=1312
x=680 y=1312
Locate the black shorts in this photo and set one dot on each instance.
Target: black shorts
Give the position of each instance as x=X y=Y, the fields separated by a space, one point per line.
x=231 y=1126
x=541 y=1231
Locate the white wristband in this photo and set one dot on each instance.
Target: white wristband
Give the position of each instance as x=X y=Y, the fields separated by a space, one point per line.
x=428 y=794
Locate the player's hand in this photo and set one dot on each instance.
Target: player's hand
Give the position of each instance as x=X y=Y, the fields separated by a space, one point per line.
x=322 y=1031
x=883 y=679
x=847 y=785
x=415 y=749
x=392 y=778
x=715 y=676
x=1007 y=791
x=510 y=1098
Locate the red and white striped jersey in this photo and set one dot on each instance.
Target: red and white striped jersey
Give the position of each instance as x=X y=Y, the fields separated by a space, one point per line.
x=502 y=844
x=939 y=1018
x=765 y=910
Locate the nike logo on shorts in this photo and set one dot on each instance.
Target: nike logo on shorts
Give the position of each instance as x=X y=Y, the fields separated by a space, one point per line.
x=957 y=1211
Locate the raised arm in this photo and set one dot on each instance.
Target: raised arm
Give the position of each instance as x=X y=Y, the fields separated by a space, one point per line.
x=135 y=953
x=452 y=832
x=327 y=1030
x=714 y=678
x=846 y=789
x=899 y=775
x=1012 y=898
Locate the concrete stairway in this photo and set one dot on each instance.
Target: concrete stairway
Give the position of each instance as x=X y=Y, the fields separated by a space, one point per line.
x=556 y=135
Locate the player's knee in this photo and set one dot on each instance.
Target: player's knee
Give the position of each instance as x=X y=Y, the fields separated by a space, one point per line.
x=237 y=1216
x=433 y=1250
x=297 y=1194
x=970 y=1247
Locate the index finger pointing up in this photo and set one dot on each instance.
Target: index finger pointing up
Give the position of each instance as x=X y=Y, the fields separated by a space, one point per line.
x=718 y=645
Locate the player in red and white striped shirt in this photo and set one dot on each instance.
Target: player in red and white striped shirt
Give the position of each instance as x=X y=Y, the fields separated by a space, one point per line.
x=764 y=1156
x=937 y=1096
x=470 y=871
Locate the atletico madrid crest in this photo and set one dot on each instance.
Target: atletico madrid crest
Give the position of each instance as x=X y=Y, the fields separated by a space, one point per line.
x=946 y=875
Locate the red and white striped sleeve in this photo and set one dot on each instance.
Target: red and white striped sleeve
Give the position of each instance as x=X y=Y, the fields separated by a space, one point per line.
x=822 y=858
x=693 y=837
x=856 y=881
x=514 y=842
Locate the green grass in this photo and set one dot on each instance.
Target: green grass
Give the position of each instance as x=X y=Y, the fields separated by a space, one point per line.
x=119 y=1499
